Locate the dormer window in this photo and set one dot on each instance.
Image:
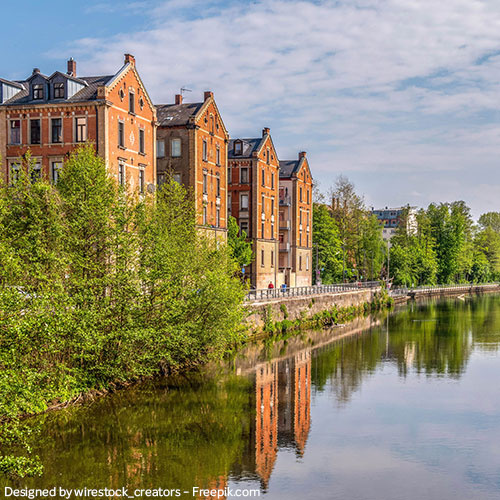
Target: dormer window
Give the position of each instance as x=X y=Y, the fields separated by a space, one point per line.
x=238 y=148
x=38 y=91
x=58 y=90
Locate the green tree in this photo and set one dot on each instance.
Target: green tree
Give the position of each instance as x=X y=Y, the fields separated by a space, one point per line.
x=327 y=243
x=240 y=248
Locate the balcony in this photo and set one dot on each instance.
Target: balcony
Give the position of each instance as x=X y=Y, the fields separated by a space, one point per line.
x=285 y=201
x=284 y=247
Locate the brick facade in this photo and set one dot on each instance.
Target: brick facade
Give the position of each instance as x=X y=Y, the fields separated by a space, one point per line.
x=192 y=146
x=51 y=127
x=253 y=201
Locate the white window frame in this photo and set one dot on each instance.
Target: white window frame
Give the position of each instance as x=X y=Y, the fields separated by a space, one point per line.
x=54 y=171
x=160 y=147
x=85 y=129
x=20 y=131
x=175 y=147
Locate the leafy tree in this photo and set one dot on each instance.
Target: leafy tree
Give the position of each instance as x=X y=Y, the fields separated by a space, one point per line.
x=327 y=242
x=240 y=248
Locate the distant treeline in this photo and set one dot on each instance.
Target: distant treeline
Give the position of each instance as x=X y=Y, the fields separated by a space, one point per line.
x=444 y=246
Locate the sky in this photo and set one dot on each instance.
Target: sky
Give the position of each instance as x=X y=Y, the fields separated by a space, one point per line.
x=400 y=96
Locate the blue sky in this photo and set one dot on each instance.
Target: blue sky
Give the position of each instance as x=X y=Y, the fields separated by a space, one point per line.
x=401 y=96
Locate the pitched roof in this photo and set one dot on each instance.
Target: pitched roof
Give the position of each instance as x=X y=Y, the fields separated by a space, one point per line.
x=289 y=167
x=88 y=93
x=11 y=83
x=249 y=146
x=170 y=115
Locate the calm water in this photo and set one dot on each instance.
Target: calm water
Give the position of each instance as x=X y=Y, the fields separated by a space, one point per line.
x=407 y=409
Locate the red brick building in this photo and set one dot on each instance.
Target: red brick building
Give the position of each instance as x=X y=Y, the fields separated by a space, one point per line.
x=52 y=115
x=253 y=178
x=192 y=146
x=295 y=222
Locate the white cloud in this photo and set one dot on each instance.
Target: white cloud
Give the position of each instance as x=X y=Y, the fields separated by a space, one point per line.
x=364 y=85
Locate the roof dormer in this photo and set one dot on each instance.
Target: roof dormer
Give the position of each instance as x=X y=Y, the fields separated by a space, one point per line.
x=8 y=89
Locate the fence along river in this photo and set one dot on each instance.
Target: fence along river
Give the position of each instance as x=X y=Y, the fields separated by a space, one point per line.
x=397 y=406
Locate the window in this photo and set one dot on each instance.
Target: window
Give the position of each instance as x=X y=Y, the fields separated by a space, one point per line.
x=175 y=147
x=244 y=202
x=205 y=183
x=263 y=177
x=262 y=230
x=267 y=156
x=263 y=204
x=35 y=131
x=38 y=91
x=238 y=148
x=217 y=217
x=131 y=102
x=160 y=149
x=55 y=169
x=262 y=258
x=141 y=102
x=121 y=135
x=229 y=175
x=308 y=195
x=56 y=127
x=81 y=129
x=58 y=90
x=272 y=258
x=300 y=239
x=205 y=150
x=272 y=205
x=212 y=129
x=300 y=263
x=307 y=263
x=229 y=203
x=36 y=171
x=15 y=132
x=244 y=227
x=14 y=172
x=121 y=174
x=300 y=195
x=272 y=180
x=244 y=175
x=217 y=180
x=217 y=155
x=204 y=216
x=178 y=178
x=141 y=181
x=272 y=230
x=141 y=141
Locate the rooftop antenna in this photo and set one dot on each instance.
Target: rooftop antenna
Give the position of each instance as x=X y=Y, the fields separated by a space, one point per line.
x=183 y=89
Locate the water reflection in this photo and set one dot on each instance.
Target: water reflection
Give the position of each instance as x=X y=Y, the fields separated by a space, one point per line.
x=213 y=430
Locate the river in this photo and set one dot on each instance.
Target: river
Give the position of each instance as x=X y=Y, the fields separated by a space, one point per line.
x=404 y=405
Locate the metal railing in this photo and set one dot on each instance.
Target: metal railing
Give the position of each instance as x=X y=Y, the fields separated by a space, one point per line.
x=398 y=291
x=298 y=291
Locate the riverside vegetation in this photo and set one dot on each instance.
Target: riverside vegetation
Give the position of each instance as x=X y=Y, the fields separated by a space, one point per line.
x=99 y=287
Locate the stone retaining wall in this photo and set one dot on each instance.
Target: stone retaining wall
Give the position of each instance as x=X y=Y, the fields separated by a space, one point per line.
x=307 y=306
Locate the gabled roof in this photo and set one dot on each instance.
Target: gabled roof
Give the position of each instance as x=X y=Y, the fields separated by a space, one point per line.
x=172 y=115
x=290 y=168
x=88 y=93
x=248 y=147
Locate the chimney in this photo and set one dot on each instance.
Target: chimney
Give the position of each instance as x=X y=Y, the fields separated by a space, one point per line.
x=208 y=94
x=178 y=98
x=129 y=58
x=35 y=71
x=71 y=67
x=302 y=154
x=265 y=131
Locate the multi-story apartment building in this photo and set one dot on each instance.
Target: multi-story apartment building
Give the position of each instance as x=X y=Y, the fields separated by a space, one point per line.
x=392 y=218
x=253 y=175
x=192 y=146
x=52 y=115
x=295 y=221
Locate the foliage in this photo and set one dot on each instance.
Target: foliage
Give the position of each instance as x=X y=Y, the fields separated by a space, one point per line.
x=99 y=286
x=240 y=248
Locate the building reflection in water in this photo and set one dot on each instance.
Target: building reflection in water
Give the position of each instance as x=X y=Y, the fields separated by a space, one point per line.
x=281 y=399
